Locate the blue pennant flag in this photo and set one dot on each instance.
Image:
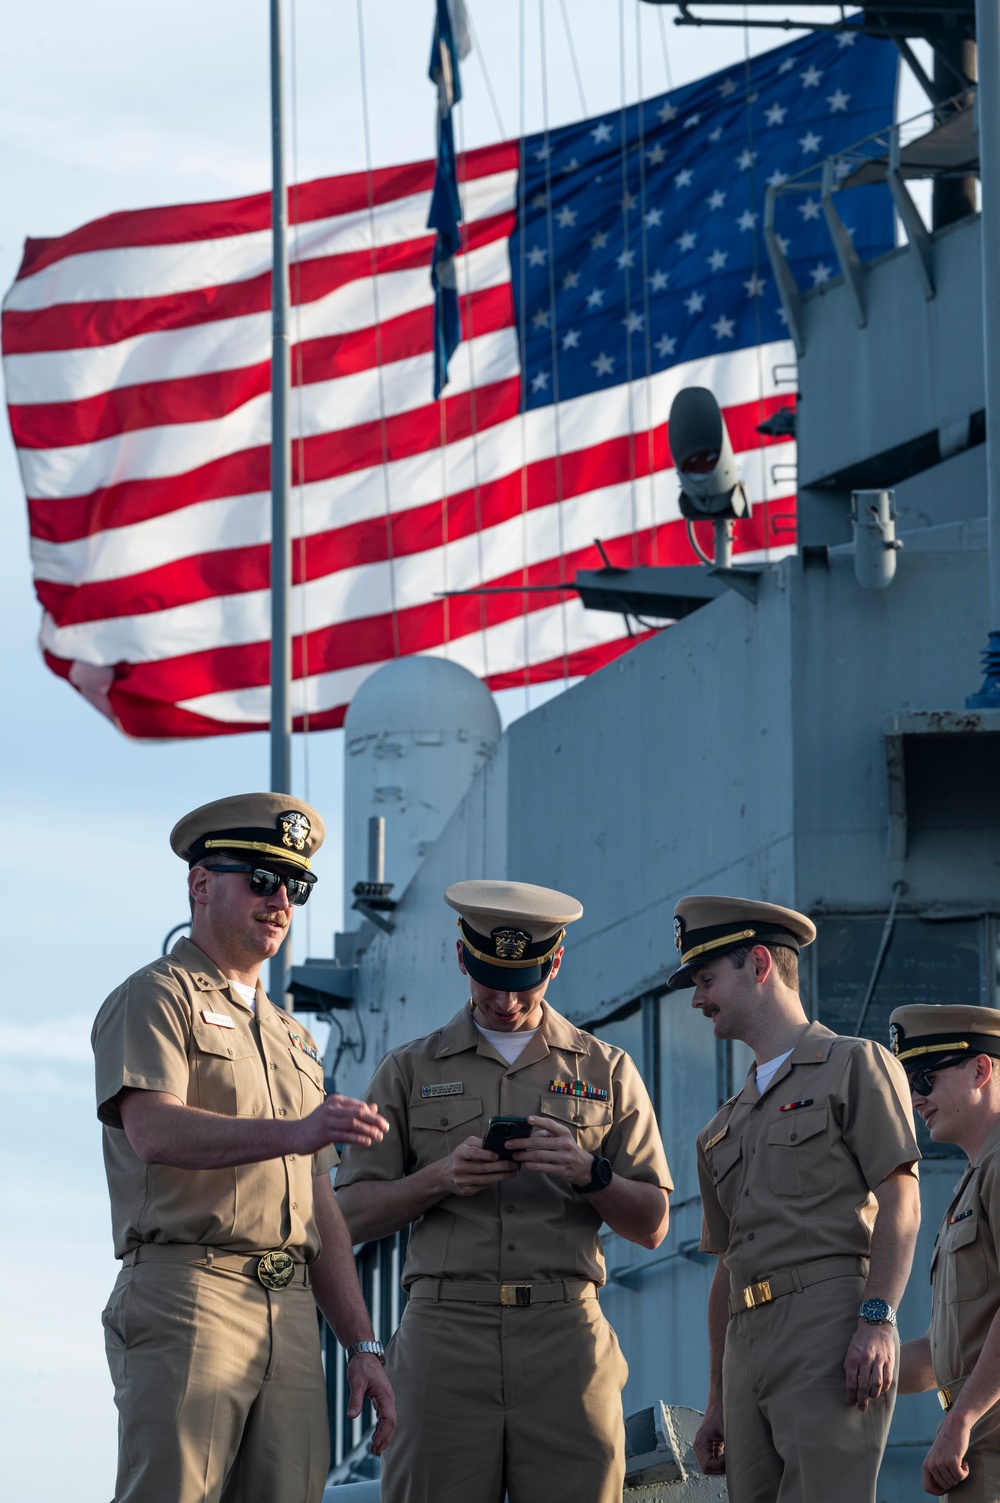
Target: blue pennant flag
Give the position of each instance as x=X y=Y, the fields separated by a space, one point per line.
x=451 y=42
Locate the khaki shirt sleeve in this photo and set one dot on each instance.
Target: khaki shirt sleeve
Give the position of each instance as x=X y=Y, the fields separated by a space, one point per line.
x=140 y=1040
x=633 y=1145
x=878 y=1114
x=325 y=1160
x=390 y=1091
x=714 y=1221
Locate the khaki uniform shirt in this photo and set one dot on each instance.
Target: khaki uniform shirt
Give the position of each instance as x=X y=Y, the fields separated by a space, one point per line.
x=178 y=1026
x=443 y=1089
x=787 y=1177
x=965 y=1278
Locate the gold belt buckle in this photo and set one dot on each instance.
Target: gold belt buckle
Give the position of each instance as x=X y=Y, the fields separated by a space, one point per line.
x=757 y=1294
x=515 y=1294
x=945 y=1399
x=276 y=1270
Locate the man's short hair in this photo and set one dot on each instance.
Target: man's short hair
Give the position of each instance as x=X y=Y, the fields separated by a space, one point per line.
x=786 y=962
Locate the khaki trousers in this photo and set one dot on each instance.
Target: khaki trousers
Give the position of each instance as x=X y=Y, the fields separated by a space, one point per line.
x=791 y=1436
x=219 y=1387
x=492 y=1399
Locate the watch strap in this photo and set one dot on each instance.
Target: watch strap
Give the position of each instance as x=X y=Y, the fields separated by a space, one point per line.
x=375 y=1348
x=601 y=1175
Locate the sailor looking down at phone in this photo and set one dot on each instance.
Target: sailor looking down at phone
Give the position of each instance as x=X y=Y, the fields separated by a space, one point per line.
x=507 y=1375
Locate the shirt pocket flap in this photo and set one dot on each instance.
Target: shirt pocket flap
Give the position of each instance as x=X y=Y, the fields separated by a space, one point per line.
x=724 y=1155
x=961 y=1234
x=308 y=1067
x=448 y=1111
x=226 y=1043
x=576 y=1111
x=796 y=1127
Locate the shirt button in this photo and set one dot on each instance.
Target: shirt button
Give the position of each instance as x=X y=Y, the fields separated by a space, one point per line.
x=444 y=1121
x=291 y=1158
x=230 y=1053
x=793 y=1137
x=746 y=1192
x=510 y=1210
x=510 y=1247
x=273 y=1065
x=281 y=1111
x=751 y=1236
x=295 y=1205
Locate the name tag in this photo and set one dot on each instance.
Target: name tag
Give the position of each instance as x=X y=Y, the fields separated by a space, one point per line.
x=717 y=1139
x=220 y=1019
x=447 y=1088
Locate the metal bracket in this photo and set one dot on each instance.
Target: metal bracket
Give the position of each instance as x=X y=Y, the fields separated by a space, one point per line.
x=788 y=289
x=743 y=581
x=916 y=231
x=847 y=256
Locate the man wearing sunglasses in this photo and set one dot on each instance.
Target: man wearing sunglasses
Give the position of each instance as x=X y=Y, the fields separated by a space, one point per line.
x=952 y=1057
x=218 y=1150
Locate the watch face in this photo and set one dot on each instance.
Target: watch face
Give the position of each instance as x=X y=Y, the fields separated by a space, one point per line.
x=603 y=1171
x=875 y=1311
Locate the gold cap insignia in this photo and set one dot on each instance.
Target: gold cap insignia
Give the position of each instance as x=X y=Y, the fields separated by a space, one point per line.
x=295 y=829
x=894 y=1037
x=679 y=933
x=510 y=943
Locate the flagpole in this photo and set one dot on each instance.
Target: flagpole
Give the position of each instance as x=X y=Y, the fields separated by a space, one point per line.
x=281 y=545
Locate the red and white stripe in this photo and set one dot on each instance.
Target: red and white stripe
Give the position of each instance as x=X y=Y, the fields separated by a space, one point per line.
x=136 y=353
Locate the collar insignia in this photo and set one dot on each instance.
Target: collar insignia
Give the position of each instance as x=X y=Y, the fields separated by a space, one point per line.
x=295 y=829
x=510 y=944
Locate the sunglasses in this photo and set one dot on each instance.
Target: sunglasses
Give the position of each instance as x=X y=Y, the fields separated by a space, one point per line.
x=922 y=1081
x=266 y=883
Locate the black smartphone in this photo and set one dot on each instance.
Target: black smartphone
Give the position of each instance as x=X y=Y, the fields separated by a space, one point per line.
x=499 y=1129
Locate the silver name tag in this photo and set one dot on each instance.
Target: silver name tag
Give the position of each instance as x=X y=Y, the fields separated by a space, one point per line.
x=449 y=1088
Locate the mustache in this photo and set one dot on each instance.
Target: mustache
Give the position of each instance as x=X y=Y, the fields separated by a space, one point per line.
x=272 y=916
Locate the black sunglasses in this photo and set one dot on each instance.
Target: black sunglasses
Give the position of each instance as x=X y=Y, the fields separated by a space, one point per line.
x=922 y=1081
x=266 y=883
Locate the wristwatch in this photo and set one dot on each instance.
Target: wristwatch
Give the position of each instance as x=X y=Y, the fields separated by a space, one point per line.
x=601 y=1176
x=374 y=1347
x=877 y=1312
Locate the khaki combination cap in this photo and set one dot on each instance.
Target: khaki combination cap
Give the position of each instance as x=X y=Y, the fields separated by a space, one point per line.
x=706 y=927
x=924 y=1032
x=510 y=930
x=272 y=826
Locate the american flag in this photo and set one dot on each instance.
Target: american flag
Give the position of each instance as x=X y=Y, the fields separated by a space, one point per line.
x=603 y=266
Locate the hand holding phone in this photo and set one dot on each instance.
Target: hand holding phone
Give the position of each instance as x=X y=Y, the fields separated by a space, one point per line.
x=499 y=1129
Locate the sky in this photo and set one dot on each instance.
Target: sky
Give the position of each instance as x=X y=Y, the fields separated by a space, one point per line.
x=117 y=105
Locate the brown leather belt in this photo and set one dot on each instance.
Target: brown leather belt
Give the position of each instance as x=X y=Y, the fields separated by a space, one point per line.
x=792 y=1280
x=275 y=1270
x=510 y=1295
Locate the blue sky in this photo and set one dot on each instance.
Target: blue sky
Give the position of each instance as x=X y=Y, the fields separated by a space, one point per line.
x=117 y=105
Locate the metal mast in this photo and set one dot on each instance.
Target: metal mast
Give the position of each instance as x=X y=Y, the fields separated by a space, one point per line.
x=281 y=545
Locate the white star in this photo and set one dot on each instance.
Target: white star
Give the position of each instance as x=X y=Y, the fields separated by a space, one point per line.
x=746 y=159
x=777 y=178
x=810 y=142
x=601 y=133
x=656 y=155
x=726 y=88
x=536 y=256
x=755 y=286
x=683 y=178
x=776 y=114
x=627 y=258
x=543 y=153
x=747 y=220
x=694 y=303
x=724 y=327
x=810 y=209
x=783 y=316
x=626 y=203
x=820 y=274
x=653 y=216
x=691 y=121
x=665 y=346
x=566 y=218
x=787 y=65
x=571 y=165
x=540 y=201
x=846 y=38
x=633 y=322
x=599 y=241
x=604 y=364
x=783 y=243
x=570 y=280
x=838 y=101
x=716 y=134
x=666 y=113
x=687 y=241
x=541 y=381
x=542 y=319
x=595 y=299
x=571 y=339
x=658 y=281
x=718 y=259
x=811 y=77
x=716 y=199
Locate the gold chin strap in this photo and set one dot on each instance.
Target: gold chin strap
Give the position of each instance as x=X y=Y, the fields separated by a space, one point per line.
x=932 y=1049
x=713 y=944
x=513 y=965
x=276 y=852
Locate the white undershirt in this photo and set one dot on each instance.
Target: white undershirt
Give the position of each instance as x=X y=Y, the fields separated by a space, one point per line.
x=248 y=993
x=767 y=1071
x=510 y=1045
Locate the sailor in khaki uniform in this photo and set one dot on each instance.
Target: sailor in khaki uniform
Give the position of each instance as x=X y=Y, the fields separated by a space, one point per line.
x=507 y=1374
x=217 y=1145
x=952 y=1056
x=810 y=1196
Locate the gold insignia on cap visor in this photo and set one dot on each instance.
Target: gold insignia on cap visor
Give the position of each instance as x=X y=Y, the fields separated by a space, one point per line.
x=510 y=943
x=295 y=829
x=714 y=944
